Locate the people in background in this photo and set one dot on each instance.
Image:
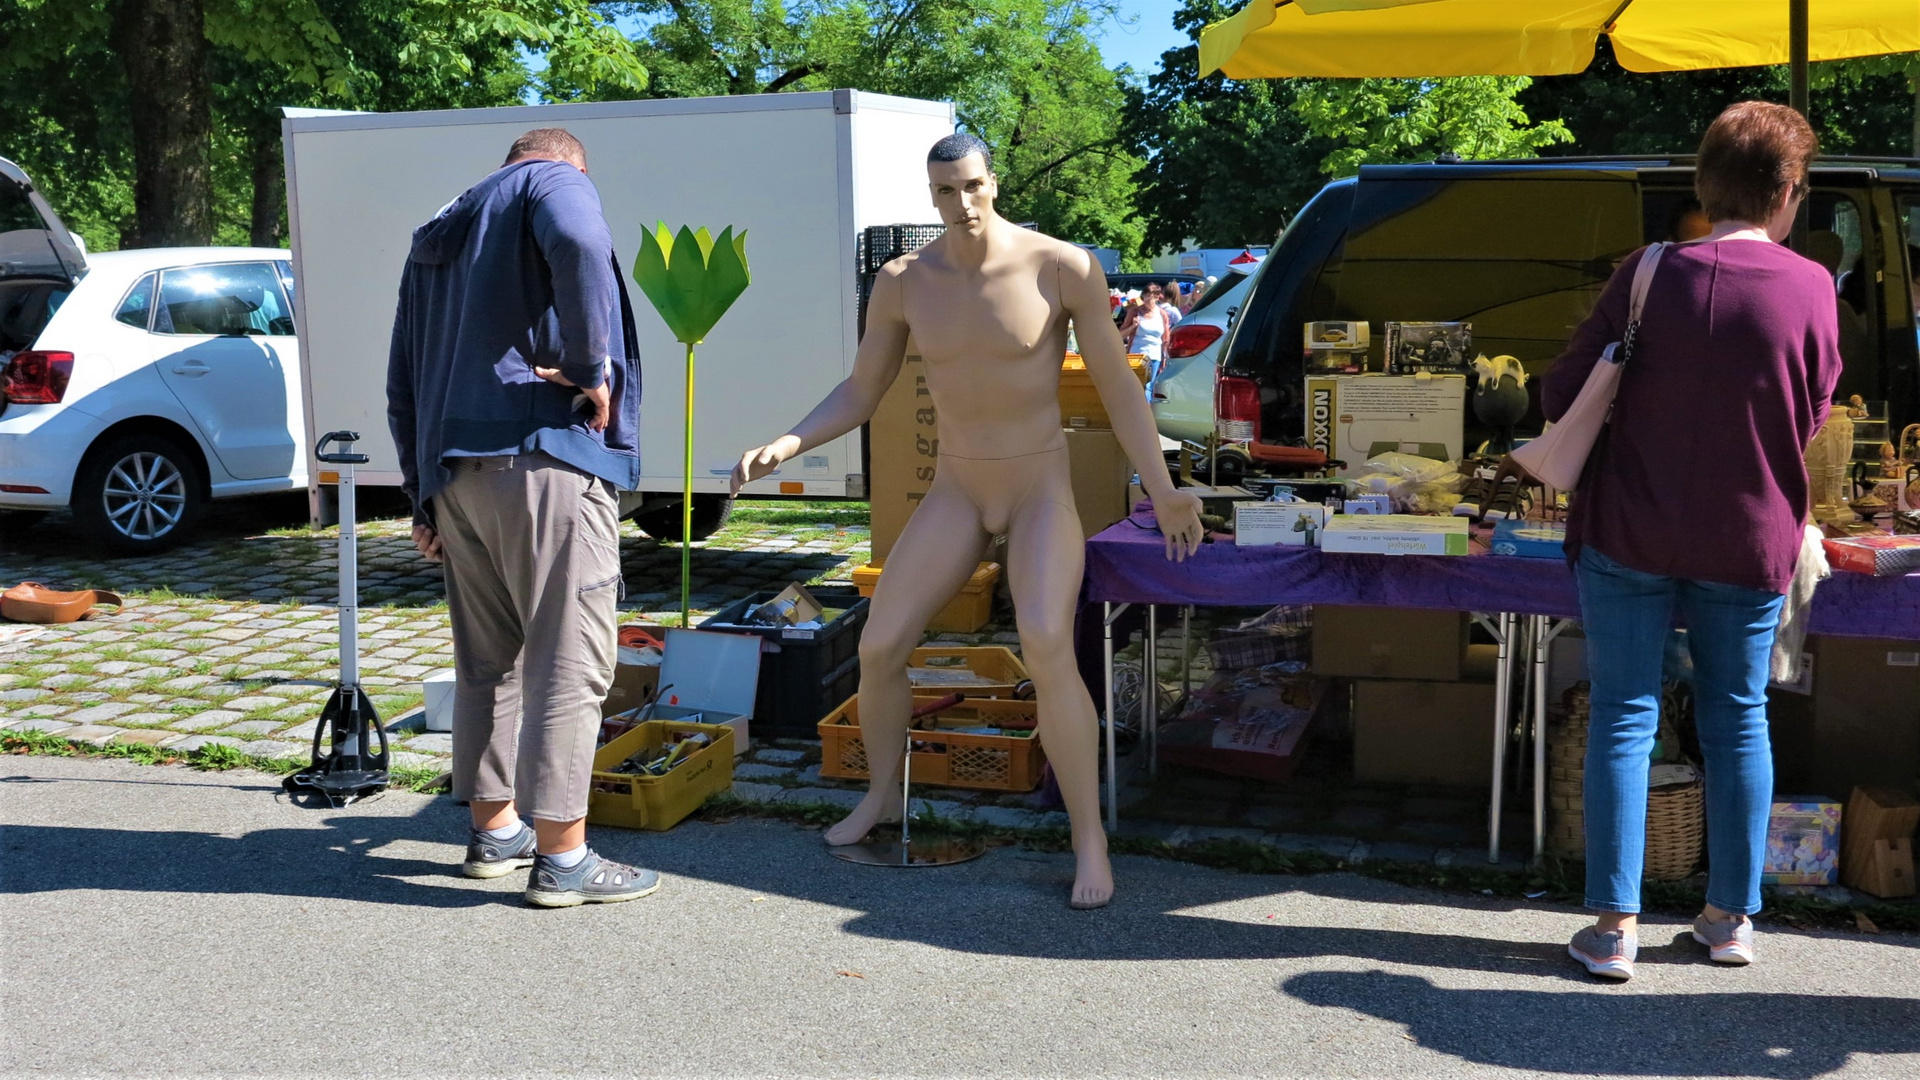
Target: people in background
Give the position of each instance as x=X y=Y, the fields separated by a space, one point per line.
x=1145 y=328
x=1738 y=337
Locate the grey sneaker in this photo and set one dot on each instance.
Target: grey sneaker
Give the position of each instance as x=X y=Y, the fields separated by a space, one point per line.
x=1609 y=956
x=490 y=858
x=594 y=881
x=1726 y=942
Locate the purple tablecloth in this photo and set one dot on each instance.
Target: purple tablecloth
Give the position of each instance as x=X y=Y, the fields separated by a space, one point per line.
x=1128 y=564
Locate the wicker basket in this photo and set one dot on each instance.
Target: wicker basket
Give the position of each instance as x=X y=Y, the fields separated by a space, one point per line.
x=1676 y=814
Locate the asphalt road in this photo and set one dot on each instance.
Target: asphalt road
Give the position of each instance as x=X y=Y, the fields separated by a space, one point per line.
x=160 y=921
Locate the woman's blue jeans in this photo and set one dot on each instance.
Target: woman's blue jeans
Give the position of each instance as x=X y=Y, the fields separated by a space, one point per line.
x=1627 y=616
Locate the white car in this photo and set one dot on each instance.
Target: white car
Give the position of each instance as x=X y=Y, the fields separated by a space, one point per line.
x=139 y=384
x=1183 y=394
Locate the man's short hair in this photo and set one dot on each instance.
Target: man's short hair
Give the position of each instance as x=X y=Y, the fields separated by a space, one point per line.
x=1751 y=154
x=554 y=143
x=956 y=147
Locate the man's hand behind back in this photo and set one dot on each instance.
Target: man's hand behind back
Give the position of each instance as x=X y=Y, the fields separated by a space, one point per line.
x=600 y=397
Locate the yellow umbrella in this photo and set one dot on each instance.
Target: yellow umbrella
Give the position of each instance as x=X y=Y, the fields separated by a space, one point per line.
x=1435 y=38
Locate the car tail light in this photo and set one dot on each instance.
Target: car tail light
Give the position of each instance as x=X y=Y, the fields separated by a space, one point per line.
x=1190 y=340
x=38 y=378
x=1236 y=408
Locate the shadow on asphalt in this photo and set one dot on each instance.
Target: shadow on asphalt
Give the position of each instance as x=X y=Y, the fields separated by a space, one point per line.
x=1785 y=1036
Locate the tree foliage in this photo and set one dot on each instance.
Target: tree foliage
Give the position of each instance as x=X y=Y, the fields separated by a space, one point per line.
x=1378 y=121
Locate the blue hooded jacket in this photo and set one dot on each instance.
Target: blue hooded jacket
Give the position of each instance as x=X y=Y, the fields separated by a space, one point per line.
x=518 y=272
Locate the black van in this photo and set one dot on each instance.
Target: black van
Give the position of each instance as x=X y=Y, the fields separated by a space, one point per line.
x=1522 y=249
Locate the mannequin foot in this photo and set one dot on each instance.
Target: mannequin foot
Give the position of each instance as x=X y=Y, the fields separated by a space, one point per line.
x=1092 y=873
x=878 y=808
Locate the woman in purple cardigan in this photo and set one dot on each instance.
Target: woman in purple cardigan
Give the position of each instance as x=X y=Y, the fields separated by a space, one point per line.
x=1693 y=505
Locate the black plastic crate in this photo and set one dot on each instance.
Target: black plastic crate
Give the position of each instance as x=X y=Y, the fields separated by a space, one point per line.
x=804 y=674
x=881 y=244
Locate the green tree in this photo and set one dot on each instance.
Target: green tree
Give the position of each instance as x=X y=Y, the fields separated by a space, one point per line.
x=1376 y=121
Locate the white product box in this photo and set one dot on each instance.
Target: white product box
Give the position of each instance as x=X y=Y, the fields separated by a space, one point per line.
x=438 y=688
x=1395 y=534
x=1353 y=417
x=1264 y=524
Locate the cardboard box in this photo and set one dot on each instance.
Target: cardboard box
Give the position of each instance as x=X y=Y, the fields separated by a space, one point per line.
x=1353 y=417
x=1866 y=714
x=1101 y=473
x=1876 y=848
x=903 y=450
x=1388 y=643
x=437 y=708
x=1803 y=842
x=1423 y=732
x=1265 y=524
x=1395 y=534
x=1530 y=539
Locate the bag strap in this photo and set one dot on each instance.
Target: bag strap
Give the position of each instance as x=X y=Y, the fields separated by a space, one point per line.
x=1637 y=298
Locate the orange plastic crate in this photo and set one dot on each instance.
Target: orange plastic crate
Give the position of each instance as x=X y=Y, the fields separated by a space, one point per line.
x=969 y=610
x=1080 y=404
x=943 y=757
x=996 y=664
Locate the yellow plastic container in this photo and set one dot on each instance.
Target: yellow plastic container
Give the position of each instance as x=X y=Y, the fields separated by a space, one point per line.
x=1080 y=405
x=943 y=757
x=983 y=671
x=658 y=802
x=968 y=611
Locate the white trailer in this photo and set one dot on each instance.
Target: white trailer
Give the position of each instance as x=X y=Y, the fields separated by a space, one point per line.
x=802 y=174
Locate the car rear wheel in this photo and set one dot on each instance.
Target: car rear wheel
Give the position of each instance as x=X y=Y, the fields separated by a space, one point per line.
x=663 y=523
x=138 y=493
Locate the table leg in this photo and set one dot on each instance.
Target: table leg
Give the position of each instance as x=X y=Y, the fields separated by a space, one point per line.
x=1545 y=630
x=1150 y=691
x=1502 y=688
x=1110 y=613
x=1186 y=653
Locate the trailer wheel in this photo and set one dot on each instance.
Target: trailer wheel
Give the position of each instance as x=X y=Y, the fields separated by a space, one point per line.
x=662 y=522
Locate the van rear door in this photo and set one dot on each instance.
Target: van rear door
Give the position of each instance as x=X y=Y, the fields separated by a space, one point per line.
x=33 y=241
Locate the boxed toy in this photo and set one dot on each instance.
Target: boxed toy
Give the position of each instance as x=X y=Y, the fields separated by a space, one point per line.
x=1395 y=534
x=1355 y=418
x=1413 y=347
x=1881 y=556
x=1337 y=346
x=1803 y=842
x=1530 y=539
x=1289 y=524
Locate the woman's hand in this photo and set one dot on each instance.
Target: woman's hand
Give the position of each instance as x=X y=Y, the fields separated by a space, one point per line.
x=1178 y=513
x=762 y=460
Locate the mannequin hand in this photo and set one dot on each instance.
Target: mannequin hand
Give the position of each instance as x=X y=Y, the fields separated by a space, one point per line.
x=1179 y=515
x=762 y=460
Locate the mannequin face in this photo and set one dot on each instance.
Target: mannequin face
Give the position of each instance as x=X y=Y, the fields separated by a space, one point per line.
x=963 y=192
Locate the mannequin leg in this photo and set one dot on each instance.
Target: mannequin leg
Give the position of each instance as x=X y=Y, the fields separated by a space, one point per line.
x=1046 y=556
x=933 y=558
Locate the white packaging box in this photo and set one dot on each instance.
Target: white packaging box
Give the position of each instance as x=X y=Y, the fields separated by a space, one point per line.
x=1259 y=524
x=1395 y=534
x=1353 y=417
x=438 y=688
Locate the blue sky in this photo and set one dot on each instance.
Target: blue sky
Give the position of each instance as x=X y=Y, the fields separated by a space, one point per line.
x=1151 y=34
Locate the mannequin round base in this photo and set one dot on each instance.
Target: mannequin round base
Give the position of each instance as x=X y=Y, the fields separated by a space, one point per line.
x=919 y=851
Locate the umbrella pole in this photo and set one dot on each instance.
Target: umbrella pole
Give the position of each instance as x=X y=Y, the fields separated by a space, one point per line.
x=1797 y=55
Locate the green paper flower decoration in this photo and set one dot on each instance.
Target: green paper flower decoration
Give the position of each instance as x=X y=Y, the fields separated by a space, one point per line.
x=691 y=278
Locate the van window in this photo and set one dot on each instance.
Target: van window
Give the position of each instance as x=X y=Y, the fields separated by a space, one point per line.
x=1522 y=259
x=222 y=298
x=137 y=308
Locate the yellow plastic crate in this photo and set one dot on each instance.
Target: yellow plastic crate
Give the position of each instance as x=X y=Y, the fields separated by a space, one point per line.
x=941 y=757
x=1080 y=405
x=658 y=802
x=969 y=610
x=996 y=665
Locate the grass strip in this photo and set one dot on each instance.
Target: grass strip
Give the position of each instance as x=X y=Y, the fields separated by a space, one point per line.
x=213 y=757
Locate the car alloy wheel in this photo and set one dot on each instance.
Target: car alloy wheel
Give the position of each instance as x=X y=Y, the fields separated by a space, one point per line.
x=144 y=496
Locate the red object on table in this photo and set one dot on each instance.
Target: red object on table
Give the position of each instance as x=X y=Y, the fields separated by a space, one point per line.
x=1881 y=556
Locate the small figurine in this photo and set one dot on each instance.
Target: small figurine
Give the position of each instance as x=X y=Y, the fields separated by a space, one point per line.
x=1889 y=462
x=1856 y=408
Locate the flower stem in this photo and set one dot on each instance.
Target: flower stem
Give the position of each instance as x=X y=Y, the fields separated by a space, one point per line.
x=686 y=510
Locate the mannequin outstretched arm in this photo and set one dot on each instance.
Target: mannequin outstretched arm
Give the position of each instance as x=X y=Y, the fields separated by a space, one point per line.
x=1083 y=291
x=851 y=403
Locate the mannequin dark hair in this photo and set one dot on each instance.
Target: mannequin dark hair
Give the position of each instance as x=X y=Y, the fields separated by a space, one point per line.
x=957 y=146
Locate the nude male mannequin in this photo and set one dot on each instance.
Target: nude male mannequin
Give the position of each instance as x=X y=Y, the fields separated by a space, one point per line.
x=988 y=304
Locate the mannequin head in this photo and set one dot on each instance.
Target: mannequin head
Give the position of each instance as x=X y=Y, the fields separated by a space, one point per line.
x=960 y=176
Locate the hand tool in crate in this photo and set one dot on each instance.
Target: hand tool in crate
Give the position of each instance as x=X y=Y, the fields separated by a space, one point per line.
x=348 y=769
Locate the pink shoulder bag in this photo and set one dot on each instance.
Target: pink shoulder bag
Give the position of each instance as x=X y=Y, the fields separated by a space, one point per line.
x=1559 y=455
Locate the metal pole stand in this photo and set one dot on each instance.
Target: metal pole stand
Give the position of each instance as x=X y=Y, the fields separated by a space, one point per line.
x=906 y=851
x=348 y=769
